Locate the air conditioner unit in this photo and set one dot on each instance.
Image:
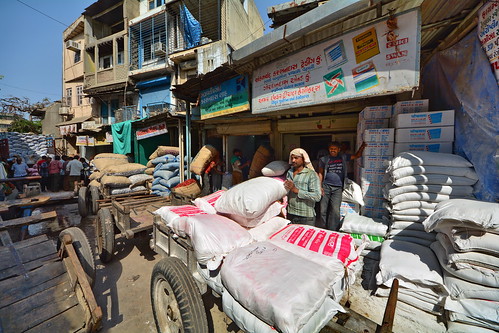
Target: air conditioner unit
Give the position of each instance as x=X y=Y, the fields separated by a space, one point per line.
x=72 y=45
x=159 y=48
x=64 y=110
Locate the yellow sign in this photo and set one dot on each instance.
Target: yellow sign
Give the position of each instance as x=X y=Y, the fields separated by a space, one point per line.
x=365 y=45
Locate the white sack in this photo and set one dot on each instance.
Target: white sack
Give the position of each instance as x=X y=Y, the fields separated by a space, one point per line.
x=455 y=190
x=352 y=193
x=433 y=179
x=443 y=170
x=139 y=179
x=357 y=224
x=459 y=288
x=275 y=168
x=320 y=245
x=399 y=225
x=273 y=210
x=282 y=289
x=175 y=216
x=483 y=214
x=411 y=239
x=415 y=211
x=471 y=275
x=207 y=203
x=251 y=198
x=428 y=302
x=419 y=196
x=468 y=239
x=213 y=237
x=455 y=327
x=480 y=310
x=412 y=233
x=265 y=230
x=427 y=158
x=413 y=204
x=408 y=218
x=248 y=322
x=408 y=262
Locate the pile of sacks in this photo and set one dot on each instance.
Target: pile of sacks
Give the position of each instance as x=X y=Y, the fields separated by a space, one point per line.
x=258 y=248
x=420 y=180
x=28 y=146
x=115 y=175
x=467 y=248
x=366 y=230
x=164 y=165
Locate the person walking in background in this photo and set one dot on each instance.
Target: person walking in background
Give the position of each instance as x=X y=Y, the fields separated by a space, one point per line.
x=43 y=171
x=64 y=173
x=55 y=167
x=85 y=172
x=303 y=188
x=74 y=169
x=332 y=175
x=216 y=173
x=237 y=166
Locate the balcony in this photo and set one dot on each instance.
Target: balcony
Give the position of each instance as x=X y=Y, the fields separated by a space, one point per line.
x=126 y=113
x=154 y=109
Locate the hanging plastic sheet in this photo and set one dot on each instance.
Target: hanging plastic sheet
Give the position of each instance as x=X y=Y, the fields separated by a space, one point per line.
x=192 y=28
x=460 y=78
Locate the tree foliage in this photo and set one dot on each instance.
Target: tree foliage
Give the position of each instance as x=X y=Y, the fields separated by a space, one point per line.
x=21 y=105
x=22 y=125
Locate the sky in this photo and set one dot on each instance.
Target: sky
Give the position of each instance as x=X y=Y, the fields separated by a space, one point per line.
x=31 y=44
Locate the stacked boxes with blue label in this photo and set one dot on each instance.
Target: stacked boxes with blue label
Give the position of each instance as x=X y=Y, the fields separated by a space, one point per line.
x=372 y=165
x=418 y=129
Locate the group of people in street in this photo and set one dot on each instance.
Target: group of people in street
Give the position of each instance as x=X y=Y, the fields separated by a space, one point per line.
x=306 y=186
x=58 y=173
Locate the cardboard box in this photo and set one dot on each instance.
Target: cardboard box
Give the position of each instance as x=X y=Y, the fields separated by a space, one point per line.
x=349 y=208
x=379 y=149
x=420 y=105
x=372 y=189
x=371 y=124
x=376 y=112
x=372 y=175
x=374 y=201
x=374 y=212
x=434 y=147
x=425 y=134
x=379 y=135
x=424 y=119
x=374 y=162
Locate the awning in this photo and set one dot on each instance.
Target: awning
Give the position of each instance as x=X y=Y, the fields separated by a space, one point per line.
x=76 y=120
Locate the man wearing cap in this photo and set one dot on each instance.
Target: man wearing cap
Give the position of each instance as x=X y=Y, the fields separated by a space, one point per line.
x=303 y=188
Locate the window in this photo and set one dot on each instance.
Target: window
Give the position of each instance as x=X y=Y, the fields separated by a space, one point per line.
x=106 y=62
x=149 y=46
x=79 y=95
x=121 y=58
x=69 y=96
x=77 y=56
x=107 y=110
x=155 y=3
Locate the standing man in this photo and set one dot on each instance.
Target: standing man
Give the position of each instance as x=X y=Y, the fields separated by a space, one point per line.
x=304 y=188
x=237 y=166
x=20 y=169
x=73 y=169
x=55 y=167
x=332 y=175
x=43 y=170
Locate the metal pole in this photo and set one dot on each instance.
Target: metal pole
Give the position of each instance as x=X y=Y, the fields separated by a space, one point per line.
x=188 y=138
x=181 y=147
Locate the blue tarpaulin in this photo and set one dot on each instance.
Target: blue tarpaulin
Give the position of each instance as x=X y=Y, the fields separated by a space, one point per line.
x=461 y=78
x=192 y=28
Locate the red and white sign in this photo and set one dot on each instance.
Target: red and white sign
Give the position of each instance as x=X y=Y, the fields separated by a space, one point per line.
x=488 y=33
x=151 y=131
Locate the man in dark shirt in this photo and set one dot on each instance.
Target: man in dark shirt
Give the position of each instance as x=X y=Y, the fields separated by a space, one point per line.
x=332 y=174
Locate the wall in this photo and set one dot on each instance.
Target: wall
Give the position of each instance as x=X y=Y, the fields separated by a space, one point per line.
x=51 y=118
x=241 y=27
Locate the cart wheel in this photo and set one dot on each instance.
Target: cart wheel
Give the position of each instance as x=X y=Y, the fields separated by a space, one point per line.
x=82 y=201
x=94 y=196
x=176 y=302
x=105 y=234
x=82 y=249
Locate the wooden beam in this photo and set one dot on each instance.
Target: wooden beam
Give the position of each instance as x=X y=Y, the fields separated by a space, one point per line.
x=104 y=12
x=27 y=220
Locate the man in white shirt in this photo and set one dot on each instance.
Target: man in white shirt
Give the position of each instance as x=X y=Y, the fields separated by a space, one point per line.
x=20 y=169
x=74 y=168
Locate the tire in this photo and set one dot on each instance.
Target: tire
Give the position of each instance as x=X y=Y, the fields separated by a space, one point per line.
x=94 y=196
x=82 y=201
x=82 y=249
x=105 y=234
x=176 y=302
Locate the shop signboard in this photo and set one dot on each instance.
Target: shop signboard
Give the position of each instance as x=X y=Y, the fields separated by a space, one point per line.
x=488 y=33
x=151 y=131
x=229 y=97
x=378 y=59
x=88 y=124
x=90 y=141
x=101 y=140
x=81 y=140
x=109 y=137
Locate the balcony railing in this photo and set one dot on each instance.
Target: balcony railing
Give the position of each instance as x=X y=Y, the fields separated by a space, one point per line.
x=154 y=109
x=126 y=113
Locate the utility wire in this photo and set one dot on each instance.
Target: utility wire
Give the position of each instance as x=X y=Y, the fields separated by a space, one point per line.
x=34 y=91
x=50 y=17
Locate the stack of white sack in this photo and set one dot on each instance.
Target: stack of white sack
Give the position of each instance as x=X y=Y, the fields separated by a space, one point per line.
x=28 y=146
x=366 y=229
x=420 y=180
x=467 y=247
x=352 y=198
x=291 y=283
x=418 y=271
x=164 y=165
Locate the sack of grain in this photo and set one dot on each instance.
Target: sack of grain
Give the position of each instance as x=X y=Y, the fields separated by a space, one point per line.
x=261 y=158
x=126 y=170
x=163 y=150
x=102 y=164
x=111 y=155
x=95 y=175
x=189 y=188
x=115 y=181
x=205 y=155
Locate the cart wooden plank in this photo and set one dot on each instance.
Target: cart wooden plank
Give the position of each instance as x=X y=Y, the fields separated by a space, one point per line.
x=25 y=254
x=71 y=320
x=28 y=220
x=18 y=288
x=38 y=308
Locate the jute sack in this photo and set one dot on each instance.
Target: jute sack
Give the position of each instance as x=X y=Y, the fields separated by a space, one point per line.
x=103 y=163
x=149 y=171
x=95 y=175
x=125 y=169
x=149 y=164
x=261 y=158
x=94 y=183
x=202 y=159
x=163 y=150
x=111 y=155
x=115 y=181
x=190 y=188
